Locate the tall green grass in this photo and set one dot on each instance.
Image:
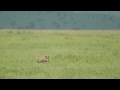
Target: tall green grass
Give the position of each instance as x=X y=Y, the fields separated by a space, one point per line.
x=72 y=54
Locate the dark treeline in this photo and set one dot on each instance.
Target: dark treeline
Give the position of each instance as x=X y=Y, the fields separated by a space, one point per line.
x=59 y=20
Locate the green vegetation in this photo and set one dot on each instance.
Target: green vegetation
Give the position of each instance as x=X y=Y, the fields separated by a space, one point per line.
x=72 y=54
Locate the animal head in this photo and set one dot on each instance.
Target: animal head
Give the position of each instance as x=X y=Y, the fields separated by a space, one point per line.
x=47 y=57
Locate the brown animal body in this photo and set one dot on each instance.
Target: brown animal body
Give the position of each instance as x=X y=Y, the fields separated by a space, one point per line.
x=43 y=59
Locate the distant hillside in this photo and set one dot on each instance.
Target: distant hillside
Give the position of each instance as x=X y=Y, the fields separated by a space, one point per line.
x=60 y=20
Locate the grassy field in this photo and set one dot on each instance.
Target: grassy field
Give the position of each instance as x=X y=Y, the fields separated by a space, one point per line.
x=73 y=54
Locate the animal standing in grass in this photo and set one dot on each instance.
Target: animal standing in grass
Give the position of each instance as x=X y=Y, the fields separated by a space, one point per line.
x=43 y=59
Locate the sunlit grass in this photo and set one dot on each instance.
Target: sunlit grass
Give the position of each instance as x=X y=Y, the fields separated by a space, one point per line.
x=72 y=54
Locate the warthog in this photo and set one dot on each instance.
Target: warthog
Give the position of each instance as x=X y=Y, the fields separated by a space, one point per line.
x=43 y=59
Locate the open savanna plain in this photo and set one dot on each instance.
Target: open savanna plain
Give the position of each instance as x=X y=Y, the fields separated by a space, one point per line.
x=81 y=54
